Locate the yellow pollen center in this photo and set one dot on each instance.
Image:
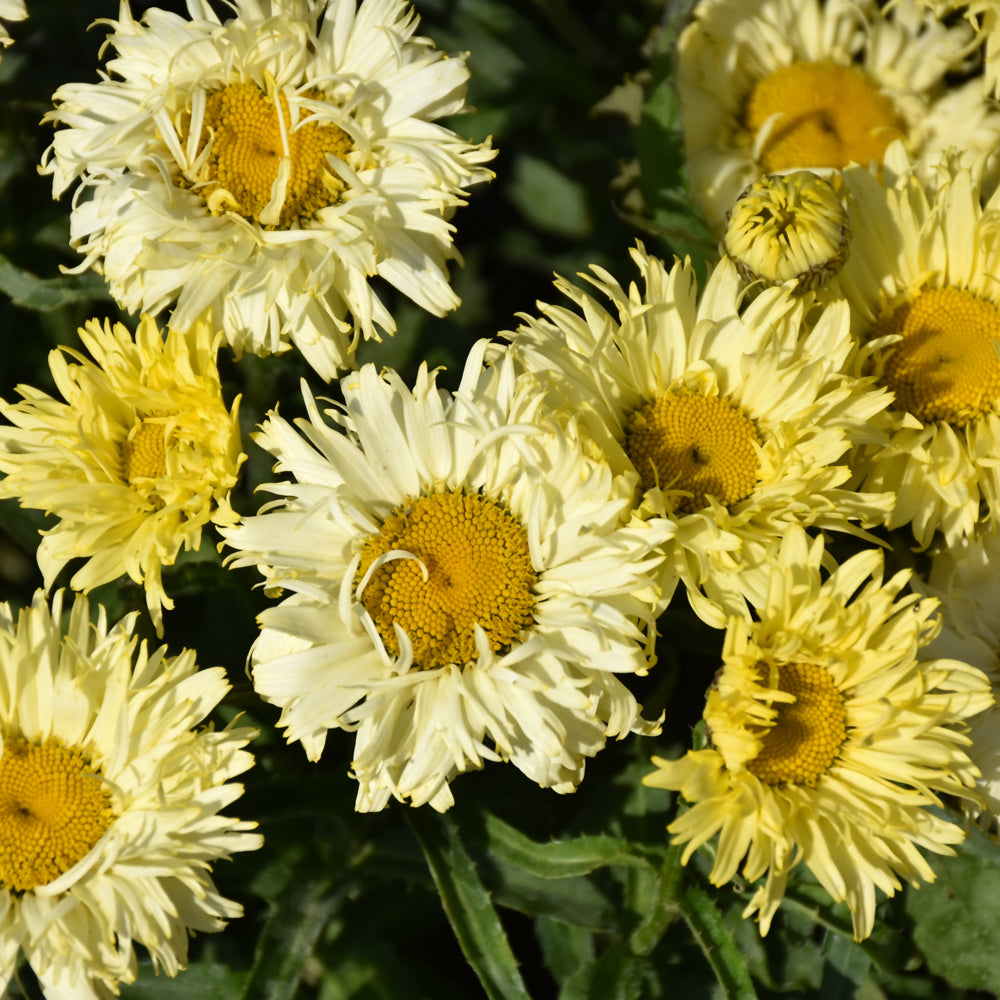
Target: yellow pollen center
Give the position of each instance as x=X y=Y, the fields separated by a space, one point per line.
x=252 y=134
x=827 y=115
x=805 y=738
x=144 y=453
x=702 y=445
x=947 y=366
x=472 y=567
x=53 y=810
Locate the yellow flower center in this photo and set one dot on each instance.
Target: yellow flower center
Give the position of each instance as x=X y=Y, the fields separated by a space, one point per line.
x=788 y=227
x=53 y=810
x=947 y=366
x=472 y=567
x=702 y=445
x=819 y=114
x=144 y=453
x=252 y=135
x=805 y=738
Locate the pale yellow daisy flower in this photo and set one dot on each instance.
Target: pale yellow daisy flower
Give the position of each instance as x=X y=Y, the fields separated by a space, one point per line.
x=768 y=86
x=466 y=585
x=832 y=742
x=110 y=800
x=735 y=416
x=966 y=580
x=266 y=167
x=10 y=10
x=984 y=16
x=921 y=283
x=138 y=456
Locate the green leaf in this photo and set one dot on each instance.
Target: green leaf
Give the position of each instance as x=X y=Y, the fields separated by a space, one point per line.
x=575 y=900
x=468 y=906
x=208 y=979
x=549 y=199
x=566 y=947
x=616 y=975
x=557 y=858
x=717 y=943
x=663 y=908
x=957 y=917
x=289 y=936
x=42 y=294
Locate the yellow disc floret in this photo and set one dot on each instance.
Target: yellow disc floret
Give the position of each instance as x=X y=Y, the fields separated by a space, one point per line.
x=144 y=452
x=252 y=133
x=701 y=445
x=946 y=367
x=819 y=114
x=472 y=566
x=807 y=734
x=53 y=810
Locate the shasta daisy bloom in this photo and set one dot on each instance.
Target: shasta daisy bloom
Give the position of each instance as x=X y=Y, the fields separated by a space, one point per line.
x=110 y=800
x=923 y=293
x=266 y=167
x=985 y=18
x=832 y=741
x=10 y=10
x=736 y=419
x=465 y=585
x=965 y=580
x=767 y=86
x=134 y=460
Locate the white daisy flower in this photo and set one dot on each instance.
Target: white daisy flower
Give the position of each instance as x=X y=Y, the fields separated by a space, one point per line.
x=10 y=10
x=921 y=283
x=466 y=585
x=110 y=800
x=266 y=167
x=966 y=580
x=767 y=86
x=736 y=417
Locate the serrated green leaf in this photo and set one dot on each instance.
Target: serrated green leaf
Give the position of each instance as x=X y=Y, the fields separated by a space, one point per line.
x=468 y=906
x=557 y=858
x=575 y=900
x=712 y=934
x=957 y=917
x=663 y=908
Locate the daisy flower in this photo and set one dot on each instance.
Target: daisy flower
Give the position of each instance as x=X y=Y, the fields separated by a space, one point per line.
x=736 y=420
x=832 y=743
x=768 y=86
x=921 y=283
x=465 y=585
x=985 y=18
x=138 y=459
x=10 y=10
x=110 y=800
x=266 y=167
x=965 y=580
